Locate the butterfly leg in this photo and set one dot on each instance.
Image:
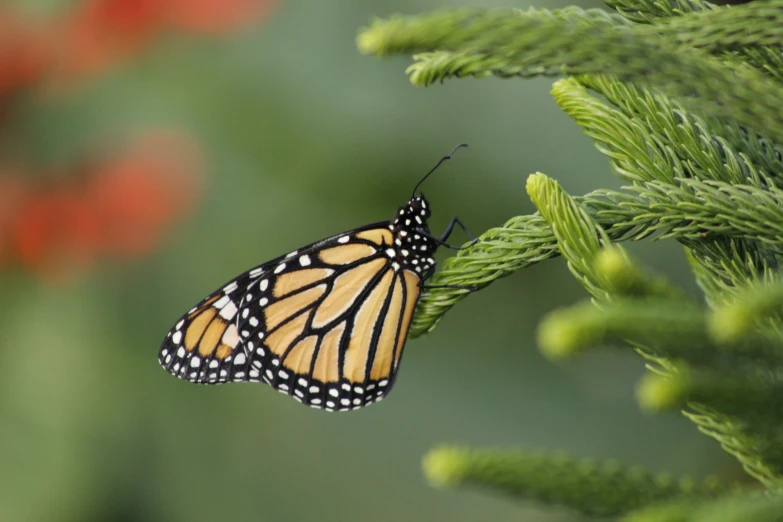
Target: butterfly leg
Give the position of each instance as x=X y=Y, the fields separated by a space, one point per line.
x=449 y=229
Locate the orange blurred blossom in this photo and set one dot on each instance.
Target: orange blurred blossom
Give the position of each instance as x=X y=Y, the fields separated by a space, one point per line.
x=215 y=16
x=121 y=210
x=99 y=32
x=24 y=51
x=139 y=193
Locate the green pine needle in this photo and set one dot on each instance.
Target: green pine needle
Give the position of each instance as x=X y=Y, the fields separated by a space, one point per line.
x=586 y=486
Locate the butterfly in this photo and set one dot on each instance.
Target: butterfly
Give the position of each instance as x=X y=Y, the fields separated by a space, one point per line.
x=326 y=323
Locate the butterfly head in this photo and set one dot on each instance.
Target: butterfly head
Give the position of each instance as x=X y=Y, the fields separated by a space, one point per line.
x=413 y=215
x=419 y=206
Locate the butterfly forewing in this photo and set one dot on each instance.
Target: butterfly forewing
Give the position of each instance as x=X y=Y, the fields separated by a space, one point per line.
x=326 y=323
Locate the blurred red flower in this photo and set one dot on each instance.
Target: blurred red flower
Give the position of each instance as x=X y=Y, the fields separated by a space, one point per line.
x=24 y=51
x=120 y=209
x=139 y=193
x=215 y=16
x=99 y=32
x=55 y=232
x=14 y=190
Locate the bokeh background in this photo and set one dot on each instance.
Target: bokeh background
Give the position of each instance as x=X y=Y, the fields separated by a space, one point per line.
x=152 y=149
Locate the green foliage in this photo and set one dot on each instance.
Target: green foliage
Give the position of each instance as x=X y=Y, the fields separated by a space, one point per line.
x=733 y=509
x=684 y=99
x=590 y=487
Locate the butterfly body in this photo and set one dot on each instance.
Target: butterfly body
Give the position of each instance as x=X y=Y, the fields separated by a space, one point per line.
x=325 y=324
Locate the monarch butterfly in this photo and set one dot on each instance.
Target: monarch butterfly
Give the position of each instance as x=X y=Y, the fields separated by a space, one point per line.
x=326 y=323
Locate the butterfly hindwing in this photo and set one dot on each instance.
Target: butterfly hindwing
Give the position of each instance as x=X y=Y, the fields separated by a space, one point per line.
x=325 y=324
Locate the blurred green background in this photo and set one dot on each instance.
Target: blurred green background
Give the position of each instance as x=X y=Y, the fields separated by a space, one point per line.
x=304 y=137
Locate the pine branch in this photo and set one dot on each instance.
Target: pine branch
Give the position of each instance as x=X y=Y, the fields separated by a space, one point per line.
x=756 y=24
x=532 y=40
x=756 y=445
x=667 y=142
x=579 y=238
x=756 y=305
x=690 y=117
x=693 y=210
x=749 y=397
x=649 y=138
x=673 y=330
x=589 y=487
x=735 y=508
x=665 y=332
x=723 y=265
x=689 y=212
x=626 y=279
x=649 y=11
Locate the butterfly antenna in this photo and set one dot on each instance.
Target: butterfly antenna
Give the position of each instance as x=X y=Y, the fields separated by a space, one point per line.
x=444 y=158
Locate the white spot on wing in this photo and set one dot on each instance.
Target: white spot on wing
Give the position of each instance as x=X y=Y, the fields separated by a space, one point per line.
x=343 y=239
x=279 y=268
x=220 y=303
x=229 y=311
x=240 y=359
x=231 y=336
x=177 y=337
x=304 y=260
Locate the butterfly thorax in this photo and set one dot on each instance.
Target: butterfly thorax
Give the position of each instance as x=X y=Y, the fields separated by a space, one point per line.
x=413 y=244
